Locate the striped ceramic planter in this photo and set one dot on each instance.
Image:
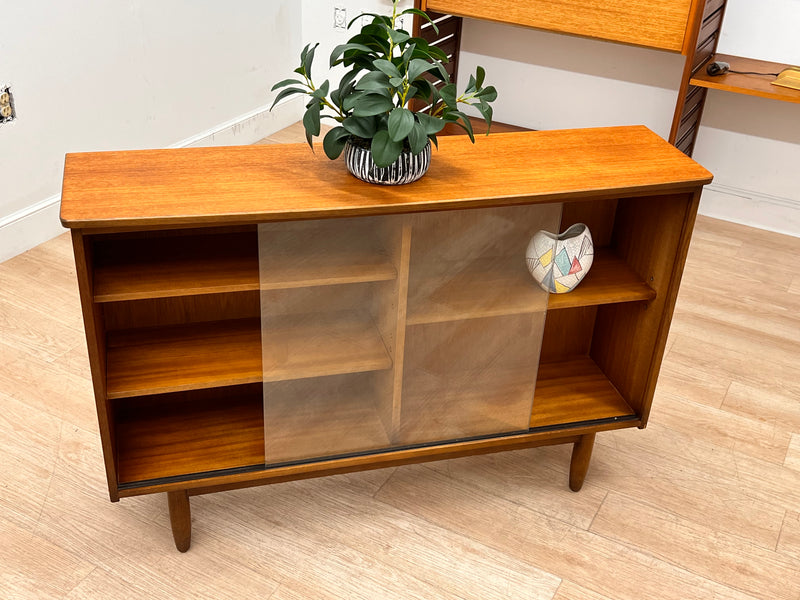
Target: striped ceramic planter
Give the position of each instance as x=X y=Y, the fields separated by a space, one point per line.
x=407 y=168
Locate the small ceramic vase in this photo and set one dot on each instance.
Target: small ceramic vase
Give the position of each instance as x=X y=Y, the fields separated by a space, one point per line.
x=558 y=263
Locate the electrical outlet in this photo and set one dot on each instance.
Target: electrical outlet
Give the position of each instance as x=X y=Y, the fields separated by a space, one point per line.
x=339 y=17
x=7 y=112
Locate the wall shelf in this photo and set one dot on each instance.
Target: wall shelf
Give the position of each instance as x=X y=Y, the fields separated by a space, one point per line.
x=750 y=85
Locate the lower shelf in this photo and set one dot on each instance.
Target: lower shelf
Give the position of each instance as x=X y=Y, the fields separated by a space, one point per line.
x=190 y=435
x=575 y=391
x=189 y=432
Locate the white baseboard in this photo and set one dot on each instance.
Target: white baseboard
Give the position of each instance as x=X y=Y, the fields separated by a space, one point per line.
x=249 y=127
x=24 y=229
x=33 y=225
x=747 y=207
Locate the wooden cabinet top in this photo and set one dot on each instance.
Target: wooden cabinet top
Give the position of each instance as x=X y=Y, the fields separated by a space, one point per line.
x=250 y=184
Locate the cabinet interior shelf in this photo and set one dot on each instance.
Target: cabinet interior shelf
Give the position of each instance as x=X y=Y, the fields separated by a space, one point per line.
x=189 y=432
x=502 y=286
x=186 y=265
x=296 y=346
x=751 y=85
x=182 y=265
x=208 y=430
x=575 y=391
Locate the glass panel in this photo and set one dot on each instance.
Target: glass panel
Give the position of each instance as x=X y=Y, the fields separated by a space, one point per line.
x=475 y=319
x=328 y=328
x=388 y=331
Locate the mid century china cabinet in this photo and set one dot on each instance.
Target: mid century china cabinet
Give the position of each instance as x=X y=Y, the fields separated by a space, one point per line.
x=255 y=314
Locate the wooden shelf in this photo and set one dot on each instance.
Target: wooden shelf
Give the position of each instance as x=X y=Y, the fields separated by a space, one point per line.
x=187 y=357
x=576 y=391
x=610 y=281
x=189 y=432
x=160 y=267
x=502 y=286
x=183 y=357
x=313 y=345
x=751 y=85
x=292 y=258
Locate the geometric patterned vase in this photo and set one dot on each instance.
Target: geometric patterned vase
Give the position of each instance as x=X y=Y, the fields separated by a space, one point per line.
x=559 y=262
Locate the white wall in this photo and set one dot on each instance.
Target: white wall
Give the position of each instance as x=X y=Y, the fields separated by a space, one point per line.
x=752 y=145
x=95 y=75
x=318 y=27
x=550 y=81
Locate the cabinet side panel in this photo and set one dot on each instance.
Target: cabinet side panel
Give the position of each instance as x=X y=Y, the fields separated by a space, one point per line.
x=95 y=340
x=652 y=234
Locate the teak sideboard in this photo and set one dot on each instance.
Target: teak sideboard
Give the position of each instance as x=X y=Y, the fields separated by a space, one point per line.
x=255 y=314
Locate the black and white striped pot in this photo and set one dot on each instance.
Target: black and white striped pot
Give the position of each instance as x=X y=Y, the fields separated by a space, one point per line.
x=407 y=168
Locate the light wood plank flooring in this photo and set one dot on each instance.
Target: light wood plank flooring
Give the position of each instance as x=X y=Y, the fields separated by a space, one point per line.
x=704 y=503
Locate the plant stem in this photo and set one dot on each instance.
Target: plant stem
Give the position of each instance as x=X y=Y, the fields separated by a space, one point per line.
x=310 y=85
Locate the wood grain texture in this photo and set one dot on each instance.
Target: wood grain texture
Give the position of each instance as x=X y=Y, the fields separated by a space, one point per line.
x=657 y=24
x=183 y=357
x=609 y=281
x=579 y=463
x=190 y=432
x=573 y=391
x=160 y=267
x=750 y=85
x=180 y=517
x=263 y=183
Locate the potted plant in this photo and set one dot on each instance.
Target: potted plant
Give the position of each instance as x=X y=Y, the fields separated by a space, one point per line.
x=387 y=108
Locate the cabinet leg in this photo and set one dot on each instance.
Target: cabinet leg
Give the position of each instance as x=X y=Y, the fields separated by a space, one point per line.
x=180 y=517
x=581 y=455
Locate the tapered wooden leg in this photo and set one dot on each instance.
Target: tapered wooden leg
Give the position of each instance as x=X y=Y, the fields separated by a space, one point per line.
x=581 y=455
x=180 y=517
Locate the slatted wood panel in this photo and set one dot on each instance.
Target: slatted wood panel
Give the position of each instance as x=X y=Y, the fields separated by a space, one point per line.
x=655 y=24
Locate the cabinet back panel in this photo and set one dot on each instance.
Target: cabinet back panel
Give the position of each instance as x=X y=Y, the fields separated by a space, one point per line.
x=183 y=309
x=598 y=215
x=568 y=333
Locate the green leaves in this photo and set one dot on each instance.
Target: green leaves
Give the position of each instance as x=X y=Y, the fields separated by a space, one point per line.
x=448 y=94
x=311 y=122
x=372 y=104
x=400 y=124
x=384 y=149
x=342 y=48
x=431 y=125
x=417 y=138
x=287 y=92
x=386 y=69
x=417 y=67
x=416 y=11
x=363 y=127
x=334 y=141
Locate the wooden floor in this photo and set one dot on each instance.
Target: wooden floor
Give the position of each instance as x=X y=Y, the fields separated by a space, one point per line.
x=704 y=503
